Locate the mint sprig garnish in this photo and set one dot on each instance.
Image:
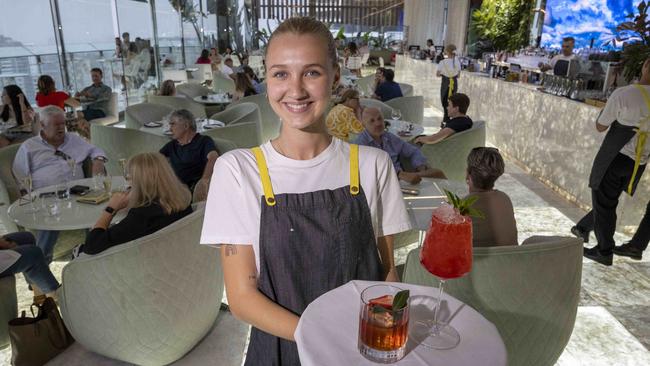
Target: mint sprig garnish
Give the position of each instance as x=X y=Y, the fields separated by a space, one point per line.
x=400 y=300
x=464 y=206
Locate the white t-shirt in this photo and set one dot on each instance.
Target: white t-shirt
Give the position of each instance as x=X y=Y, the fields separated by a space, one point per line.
x=449 y=67
x=627 y=106
x=561 y=56
x=233 y=209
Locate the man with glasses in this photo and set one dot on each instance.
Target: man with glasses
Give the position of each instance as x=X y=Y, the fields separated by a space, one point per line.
x=54 y=157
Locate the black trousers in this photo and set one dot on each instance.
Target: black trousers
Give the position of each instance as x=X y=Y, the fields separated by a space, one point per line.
x=444 y=96
x=642 y=236
x=602 y=218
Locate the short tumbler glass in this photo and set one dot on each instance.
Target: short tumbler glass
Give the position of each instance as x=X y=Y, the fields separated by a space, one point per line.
x=383 y=333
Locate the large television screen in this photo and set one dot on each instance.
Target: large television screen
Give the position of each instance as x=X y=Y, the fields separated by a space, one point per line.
x=585 y=20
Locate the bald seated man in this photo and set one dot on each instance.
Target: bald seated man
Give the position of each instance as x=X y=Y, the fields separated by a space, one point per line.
x=375 y=135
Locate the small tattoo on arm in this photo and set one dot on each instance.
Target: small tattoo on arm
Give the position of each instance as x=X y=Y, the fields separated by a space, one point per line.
x=230 y=250
x=252 y=277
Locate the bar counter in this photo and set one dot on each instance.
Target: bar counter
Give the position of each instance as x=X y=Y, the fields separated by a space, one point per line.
x=553 y=138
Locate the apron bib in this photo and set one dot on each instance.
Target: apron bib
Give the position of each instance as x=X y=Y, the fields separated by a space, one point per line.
x=310 y=243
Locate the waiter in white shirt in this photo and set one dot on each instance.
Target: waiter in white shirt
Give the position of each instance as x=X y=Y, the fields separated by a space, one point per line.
x=566 y=55
x=618 y=167
x=448 y=69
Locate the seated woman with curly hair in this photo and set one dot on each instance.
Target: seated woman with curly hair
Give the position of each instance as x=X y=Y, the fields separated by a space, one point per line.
x=345 y=117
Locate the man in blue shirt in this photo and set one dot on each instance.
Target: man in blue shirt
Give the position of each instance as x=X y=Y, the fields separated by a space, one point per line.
x=387 y=88
x=399 y=151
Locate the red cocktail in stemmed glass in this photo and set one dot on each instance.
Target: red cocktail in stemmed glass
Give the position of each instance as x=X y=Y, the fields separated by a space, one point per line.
x=446 y=254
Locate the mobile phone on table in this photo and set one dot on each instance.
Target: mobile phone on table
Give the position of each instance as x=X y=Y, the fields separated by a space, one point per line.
x=79 y=190
x=411 y=191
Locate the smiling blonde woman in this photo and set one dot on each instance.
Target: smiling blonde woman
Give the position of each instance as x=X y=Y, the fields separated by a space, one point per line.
x=291 y=222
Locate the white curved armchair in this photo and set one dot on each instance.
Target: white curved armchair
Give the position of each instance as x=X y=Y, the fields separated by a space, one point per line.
x=149 y=301
x=412 y=108
x=270 y=126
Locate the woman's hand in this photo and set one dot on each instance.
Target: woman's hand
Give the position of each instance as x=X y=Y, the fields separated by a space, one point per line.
x=119 y=200
x=21 y=100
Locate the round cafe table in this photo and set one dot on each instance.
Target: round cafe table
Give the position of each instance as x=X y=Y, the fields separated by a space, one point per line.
x=213 y=99
x=202 y=125
x=328 y=330
x=72 y=215
x=405 y=130
x=430 y=195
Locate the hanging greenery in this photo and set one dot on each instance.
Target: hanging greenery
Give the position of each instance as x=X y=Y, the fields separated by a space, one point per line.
x=190 y=13
x=636 y=34
x=505 y=23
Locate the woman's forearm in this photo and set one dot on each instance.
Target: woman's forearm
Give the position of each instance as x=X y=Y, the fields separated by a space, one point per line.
x=256 y=309
x=246 y=301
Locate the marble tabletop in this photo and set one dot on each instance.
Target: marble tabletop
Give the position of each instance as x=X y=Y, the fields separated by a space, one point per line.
x=430 y=195
x=72 y=215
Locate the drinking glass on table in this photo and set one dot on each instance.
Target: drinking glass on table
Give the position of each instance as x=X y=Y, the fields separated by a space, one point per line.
x=72 y=164
x=395 y=114
x=446 y=254
x=26 y=184
x=107 y=183
x=383 y=325
x=125 y=174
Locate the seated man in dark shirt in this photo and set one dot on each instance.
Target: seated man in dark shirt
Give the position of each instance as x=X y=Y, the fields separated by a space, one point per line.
x=458 y=104
x=399 y=151
x=191 y=155
x=387 y=88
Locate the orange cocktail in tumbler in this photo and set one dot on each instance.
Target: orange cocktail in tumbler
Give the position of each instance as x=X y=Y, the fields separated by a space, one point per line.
x=383 y=325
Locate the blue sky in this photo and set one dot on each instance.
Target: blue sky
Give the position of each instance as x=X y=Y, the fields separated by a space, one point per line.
x=584 y=20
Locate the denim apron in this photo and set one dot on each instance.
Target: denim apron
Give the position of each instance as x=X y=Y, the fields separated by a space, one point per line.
x=310 y=243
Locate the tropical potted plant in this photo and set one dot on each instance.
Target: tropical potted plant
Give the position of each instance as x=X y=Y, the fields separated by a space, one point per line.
x=635 y=34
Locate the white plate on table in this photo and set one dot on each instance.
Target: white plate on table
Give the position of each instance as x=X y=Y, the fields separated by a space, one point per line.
x=153 y=124
x=210 y=123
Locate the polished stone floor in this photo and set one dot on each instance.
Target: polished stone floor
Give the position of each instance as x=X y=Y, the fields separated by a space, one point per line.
x=613 y=322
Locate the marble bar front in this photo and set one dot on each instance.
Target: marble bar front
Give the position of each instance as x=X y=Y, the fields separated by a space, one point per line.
x=552 y=137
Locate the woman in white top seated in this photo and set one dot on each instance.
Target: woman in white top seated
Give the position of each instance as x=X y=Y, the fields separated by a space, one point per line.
x=303 y=213
x=448 y=69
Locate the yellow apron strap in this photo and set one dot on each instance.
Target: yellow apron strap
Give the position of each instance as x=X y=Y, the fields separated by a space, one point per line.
x=264 y=176
x=642 y=136
x=354 y=169
x=451 y=88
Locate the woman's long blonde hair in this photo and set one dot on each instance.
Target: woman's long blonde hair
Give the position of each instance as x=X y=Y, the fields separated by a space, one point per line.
x=154 y=181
